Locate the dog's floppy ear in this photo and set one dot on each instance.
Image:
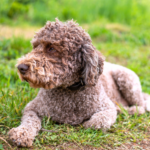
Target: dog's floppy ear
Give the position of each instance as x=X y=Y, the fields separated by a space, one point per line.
x=92 y=64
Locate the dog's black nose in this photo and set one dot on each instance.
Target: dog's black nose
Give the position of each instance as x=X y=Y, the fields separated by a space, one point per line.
x=23 y=68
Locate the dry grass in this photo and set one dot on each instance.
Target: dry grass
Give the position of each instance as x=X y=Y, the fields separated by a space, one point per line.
x=9 y=32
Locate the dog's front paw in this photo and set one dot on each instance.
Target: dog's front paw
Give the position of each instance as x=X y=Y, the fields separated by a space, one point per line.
x=21 y=136
x=100 y=121
x=93 y=123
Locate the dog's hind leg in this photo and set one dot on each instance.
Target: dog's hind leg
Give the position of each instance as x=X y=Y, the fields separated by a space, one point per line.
x=129 y=86
x=147 y=101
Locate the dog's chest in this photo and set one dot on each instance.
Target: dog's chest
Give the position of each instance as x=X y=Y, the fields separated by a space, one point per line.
x=71 y=107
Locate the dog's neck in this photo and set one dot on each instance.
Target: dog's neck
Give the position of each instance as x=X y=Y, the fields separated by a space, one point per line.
x=77 y=86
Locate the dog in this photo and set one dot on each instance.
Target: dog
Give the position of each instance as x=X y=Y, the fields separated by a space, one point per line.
x=76 y=85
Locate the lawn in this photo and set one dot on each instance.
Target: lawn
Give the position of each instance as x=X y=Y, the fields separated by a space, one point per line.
x=121 y=33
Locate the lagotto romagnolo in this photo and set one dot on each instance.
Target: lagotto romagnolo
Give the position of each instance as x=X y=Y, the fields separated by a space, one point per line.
x=76 y=85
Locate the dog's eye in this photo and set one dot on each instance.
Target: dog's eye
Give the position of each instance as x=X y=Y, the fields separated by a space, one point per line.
x=51 y=49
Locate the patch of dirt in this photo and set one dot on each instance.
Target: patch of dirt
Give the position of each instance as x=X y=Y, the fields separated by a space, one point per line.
x=139 y=145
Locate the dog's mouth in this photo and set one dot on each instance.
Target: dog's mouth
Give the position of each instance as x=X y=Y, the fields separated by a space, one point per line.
x=25 y=80
x=37 y=84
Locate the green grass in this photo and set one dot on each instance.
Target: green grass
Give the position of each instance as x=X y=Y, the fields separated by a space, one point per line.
x=119 y=29
x=133 y=12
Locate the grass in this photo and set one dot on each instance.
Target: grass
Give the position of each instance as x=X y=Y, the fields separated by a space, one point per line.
x=120 y=30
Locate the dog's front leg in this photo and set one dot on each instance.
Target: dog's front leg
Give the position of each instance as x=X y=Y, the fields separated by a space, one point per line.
x=101 y=120
x=24 y=134
x=104 y=118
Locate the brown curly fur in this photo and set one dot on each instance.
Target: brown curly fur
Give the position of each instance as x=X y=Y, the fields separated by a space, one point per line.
x=62 y=55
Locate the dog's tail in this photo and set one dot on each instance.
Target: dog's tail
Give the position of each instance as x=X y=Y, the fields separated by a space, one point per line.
x=147 y=101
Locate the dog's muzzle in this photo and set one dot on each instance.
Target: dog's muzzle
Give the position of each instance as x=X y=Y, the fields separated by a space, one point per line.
x=23 y=68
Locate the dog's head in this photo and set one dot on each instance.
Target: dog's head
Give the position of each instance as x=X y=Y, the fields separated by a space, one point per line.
x=62 y=54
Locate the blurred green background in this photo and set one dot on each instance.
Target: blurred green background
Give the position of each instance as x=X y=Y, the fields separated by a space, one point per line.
x=37 y=12
x=120 y=29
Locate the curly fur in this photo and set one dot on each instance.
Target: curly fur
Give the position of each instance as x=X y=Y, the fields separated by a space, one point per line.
x=63 y=54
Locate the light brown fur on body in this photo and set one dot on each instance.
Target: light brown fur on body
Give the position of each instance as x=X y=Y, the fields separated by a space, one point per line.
x=62 y=55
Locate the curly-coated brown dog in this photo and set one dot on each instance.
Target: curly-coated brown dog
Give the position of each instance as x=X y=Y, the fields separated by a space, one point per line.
x=76 y=85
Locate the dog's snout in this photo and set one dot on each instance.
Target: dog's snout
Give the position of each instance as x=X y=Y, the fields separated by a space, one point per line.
x=23 y=68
